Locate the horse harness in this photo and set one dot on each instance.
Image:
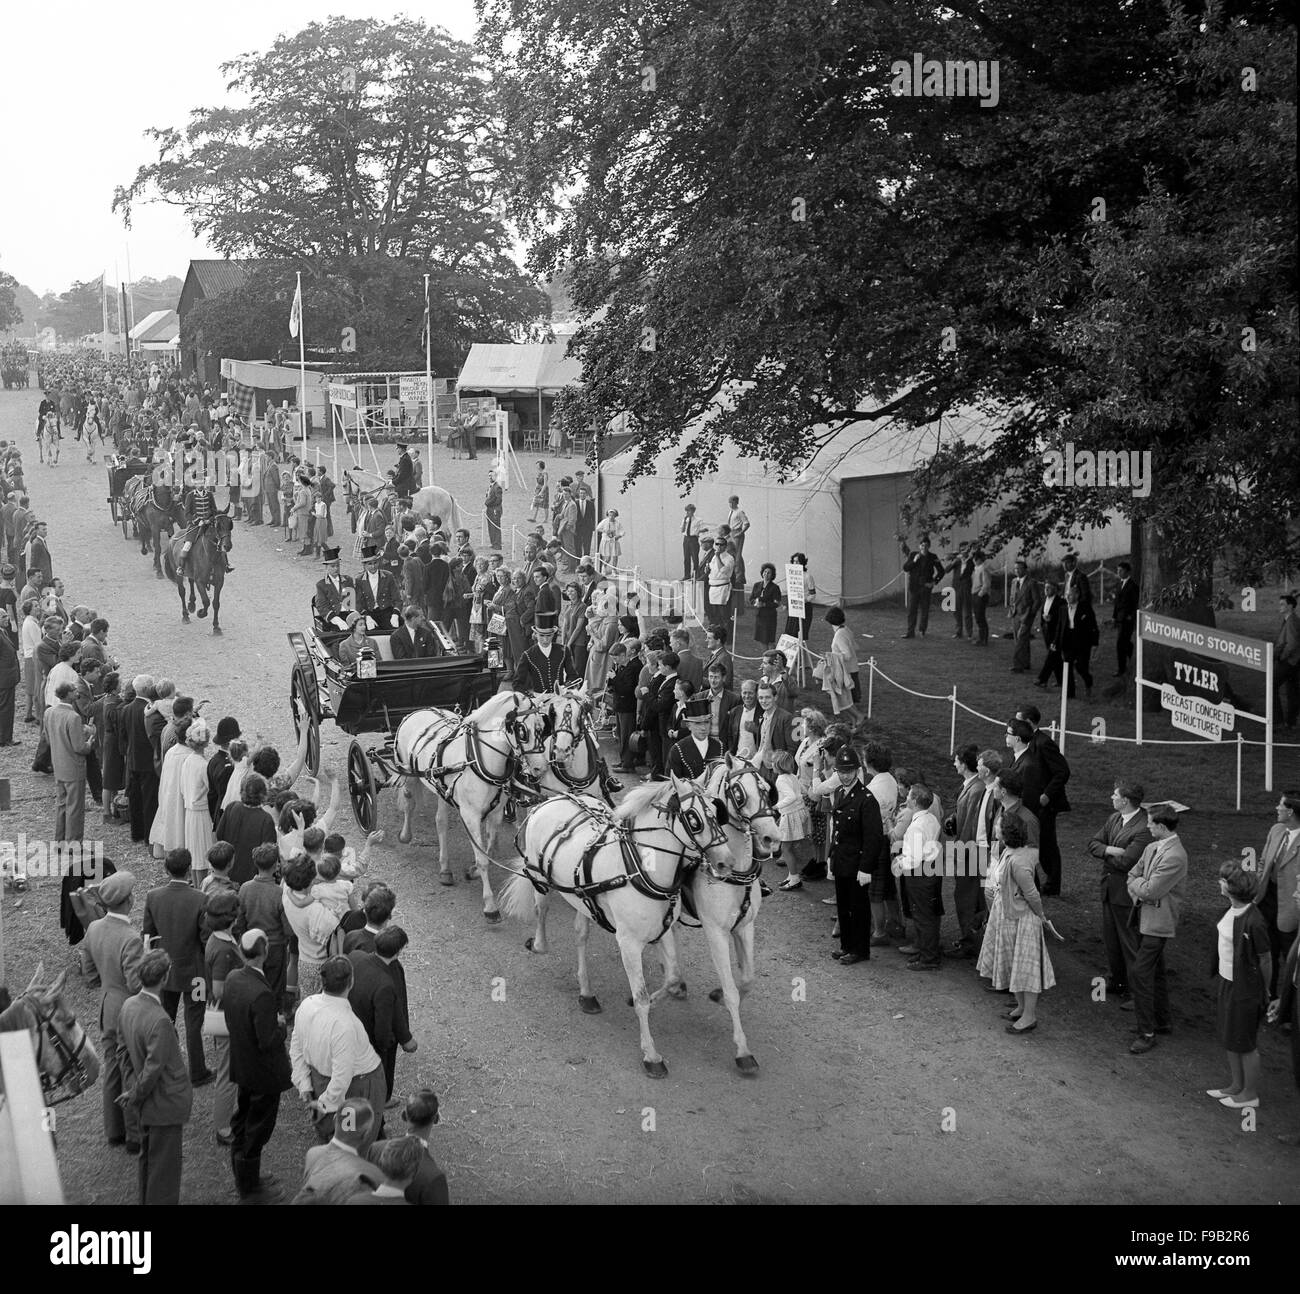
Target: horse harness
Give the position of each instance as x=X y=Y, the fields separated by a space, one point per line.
x=73 y=1067
x=475 y=747
x=589 y=890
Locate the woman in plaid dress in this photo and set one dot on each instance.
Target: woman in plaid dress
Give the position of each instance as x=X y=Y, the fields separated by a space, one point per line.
x=1024 y=966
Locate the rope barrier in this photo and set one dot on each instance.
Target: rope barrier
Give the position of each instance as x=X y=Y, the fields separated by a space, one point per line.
x=925 y=695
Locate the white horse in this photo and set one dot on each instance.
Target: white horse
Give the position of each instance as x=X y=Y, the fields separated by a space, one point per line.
x=726 y=903
x=65 y=1057
x=472 y=765
x=571 y=763
x=434 y=501
x=622 y=870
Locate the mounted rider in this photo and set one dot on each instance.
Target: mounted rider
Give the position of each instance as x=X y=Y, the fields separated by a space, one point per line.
x=546 y=667
x=200 y=505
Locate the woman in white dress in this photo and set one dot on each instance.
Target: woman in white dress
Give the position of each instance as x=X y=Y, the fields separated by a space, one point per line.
x=609 y=547
x=168 y=829
x=243 y=765
x=194 y=793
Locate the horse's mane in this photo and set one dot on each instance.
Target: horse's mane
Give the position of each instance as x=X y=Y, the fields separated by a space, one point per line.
x=638 y=799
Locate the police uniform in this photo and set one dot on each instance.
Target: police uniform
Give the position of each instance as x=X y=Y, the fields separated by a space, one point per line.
x=857 y=845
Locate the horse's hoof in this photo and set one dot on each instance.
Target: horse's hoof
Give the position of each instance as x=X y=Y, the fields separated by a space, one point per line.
x=203 y=615
x=184 y=618
x=405 y=837
x=216 y=631
x=678 y=990
x=589 y=1005
x=444 y=878
x=158 y=575
x=492 y=918
x=469 y=873
x=716 y=995
x=655 y=1068
x=747 y=1065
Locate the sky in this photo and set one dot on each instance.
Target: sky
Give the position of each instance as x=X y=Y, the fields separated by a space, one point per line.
x=74 y=124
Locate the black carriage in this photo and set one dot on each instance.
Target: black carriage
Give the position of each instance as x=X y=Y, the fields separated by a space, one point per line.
x=375 y=696
x=120 y=471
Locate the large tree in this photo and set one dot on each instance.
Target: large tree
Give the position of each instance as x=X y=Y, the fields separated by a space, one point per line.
x=757 y=226
x=11 y=314
x=365 y=153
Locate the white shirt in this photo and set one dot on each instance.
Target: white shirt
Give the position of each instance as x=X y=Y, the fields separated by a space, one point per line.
x=59 y=674
x=738 y=522
x=745 y=744
x=981 y=825
x=1291 y=836
x=328 y=1037
x=918 y=841
x=885 y=789
x=31 y=636
x=1224 y=928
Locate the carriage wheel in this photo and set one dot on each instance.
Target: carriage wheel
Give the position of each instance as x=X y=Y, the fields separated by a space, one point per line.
x=303 y=712
x=361 y=787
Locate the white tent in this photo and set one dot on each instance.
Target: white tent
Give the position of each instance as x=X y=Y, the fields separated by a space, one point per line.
x=842 y=511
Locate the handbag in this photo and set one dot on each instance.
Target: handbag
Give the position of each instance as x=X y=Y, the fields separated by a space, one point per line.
x=497 y=623
x=214 y=1022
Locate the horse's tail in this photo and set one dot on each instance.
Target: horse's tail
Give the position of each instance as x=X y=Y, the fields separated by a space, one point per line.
x=518 y=899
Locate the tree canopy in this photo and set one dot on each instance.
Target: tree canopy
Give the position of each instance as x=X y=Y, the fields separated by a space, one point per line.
x=11 y=314
x=754 y=224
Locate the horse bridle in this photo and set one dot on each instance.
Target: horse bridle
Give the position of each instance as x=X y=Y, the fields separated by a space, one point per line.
x=73 y=1069
x=563 y=725
x=735 y=798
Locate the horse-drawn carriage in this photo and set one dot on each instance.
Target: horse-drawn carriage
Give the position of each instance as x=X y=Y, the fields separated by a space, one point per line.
x=375 y=696
x=120 y=472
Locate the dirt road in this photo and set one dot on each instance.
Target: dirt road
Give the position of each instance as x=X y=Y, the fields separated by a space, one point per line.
x=862 y=1068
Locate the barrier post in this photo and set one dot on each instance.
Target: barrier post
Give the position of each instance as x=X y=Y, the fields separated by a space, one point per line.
x=1065 y=692
x=1268 y=716
x=871 y=679
x=1137 y=680
x=1239 y=748
x=952 y=727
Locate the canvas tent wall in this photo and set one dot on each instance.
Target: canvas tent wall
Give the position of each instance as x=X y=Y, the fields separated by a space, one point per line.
x=843 y=511
x=523 y=378
x=253 y=385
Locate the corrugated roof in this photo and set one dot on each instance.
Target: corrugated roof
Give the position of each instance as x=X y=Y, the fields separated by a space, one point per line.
x=216 y=277
x=161 y=325
x=519 y=369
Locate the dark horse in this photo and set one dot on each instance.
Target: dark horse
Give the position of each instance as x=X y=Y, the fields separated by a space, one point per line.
x=67 y=1061
x=207 y=567
x=152 y=520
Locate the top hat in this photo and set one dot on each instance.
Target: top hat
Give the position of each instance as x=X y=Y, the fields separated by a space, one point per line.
x=546 y=621
x=370 y=553
x=697 y=707
x=329 y=555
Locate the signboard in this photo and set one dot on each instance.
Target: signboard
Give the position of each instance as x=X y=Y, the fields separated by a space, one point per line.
x=413 y=388
x=1218 y=644
x=1196 y=715
x=788 y=646
x=343 y=395
x=795 y=591
x=227 y=368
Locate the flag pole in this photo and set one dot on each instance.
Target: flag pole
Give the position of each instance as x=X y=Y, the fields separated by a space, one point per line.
x=302 y=369
x=428 y=378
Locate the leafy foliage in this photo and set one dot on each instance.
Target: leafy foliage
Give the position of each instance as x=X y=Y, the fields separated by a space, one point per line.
x=11 y=314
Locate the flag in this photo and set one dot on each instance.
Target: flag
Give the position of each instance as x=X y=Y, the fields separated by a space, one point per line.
x=295 y=315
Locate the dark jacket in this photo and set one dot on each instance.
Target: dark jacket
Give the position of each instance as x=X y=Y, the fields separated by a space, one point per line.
x=373 y=999
x=435 y=587
x=1132 y=839
x=1053 y=771
x=259 y=1060
x=406 y=649
x=622 y=684
x=684 y=758
x=1073 y=643
x=858 y=832
x=173 y=912
x=1126 y=603
x=158 y=1079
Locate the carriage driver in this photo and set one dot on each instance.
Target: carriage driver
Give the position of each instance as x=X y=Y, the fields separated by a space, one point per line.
x=546 y=667
x=335 y=596
x=201 y=507
x=688 y=757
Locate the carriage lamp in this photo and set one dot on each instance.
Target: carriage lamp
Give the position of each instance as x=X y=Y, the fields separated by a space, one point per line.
x=494 y=653
x=367 y=666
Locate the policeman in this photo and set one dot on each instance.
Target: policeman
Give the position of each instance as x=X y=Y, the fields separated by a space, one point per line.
x=857 y=854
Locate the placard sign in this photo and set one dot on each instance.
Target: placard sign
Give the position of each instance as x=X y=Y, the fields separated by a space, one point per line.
x=343 y=395
x=795 y=590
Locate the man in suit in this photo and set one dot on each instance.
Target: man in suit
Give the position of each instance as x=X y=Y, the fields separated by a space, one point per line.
x=10 y=676
x=173 y=912
x=689 y=665
x=142 y=776
x=962 y=825
x=413 y=638
x=721 y=704
x=923 y=570
x=1074 y=578
x=158 y=1091
x=1024 y=603
x=259 y=1068
x=1023 y=763
x=114 y=951
x=435 y=584
x=1124 y=617
x=420 y=1114
x=772 y=726
x=1009 y=789
x=661 y=710
x=339 y=1169
x=1156 y=885
x=742 y=721
x=38 y=553
x=1118 y=846
x=1077 y=635
x=690 y=544
x=1279 y=873
x=857 y=853
x=375 y=588
x=1053 y=774
x=687 y=758
x=374 y=999
x=717 y=654
x=1286 y=661
x=70 y=739
x=1049 y=620
x=962 y=570
x=334 y=592
x=377 y=908
x=585 y=527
